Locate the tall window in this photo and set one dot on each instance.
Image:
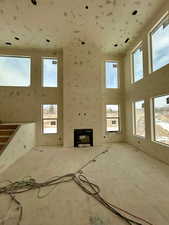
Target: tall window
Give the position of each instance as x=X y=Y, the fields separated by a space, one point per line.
x=111 y=69
x=112 y=118
x=50 y=71
x=49 y=119
x=137 y=58
x=15 y=71
x=160 y=44
x=139 y=118
x=161 y=119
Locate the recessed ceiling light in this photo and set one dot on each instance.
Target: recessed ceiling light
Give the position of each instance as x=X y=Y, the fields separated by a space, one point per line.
x=134 y=12
x=127 y=40
x=34 y=2
x=16 y=38
x=8 y=43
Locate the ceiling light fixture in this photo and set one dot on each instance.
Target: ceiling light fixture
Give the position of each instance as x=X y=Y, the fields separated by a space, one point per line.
x=127 y=40
x=8 y=43
x=134 y=12
x=34 y=2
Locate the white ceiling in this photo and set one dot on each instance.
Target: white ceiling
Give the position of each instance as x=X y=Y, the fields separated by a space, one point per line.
x=104 y=23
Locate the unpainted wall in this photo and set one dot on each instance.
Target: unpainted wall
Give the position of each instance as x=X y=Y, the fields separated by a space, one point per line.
x=83 y=87
x=153 y=84
x=23 y=104
x=22 y=142
x=85 y=95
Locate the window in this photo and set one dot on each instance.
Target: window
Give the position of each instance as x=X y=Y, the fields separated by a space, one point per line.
x=139 y=118
x=50 y=70
x=161 y=119
x=137 y=59
x=111 y=69
x=15 y=71
x=112 y=118
x=49 y=123
x=160 y=44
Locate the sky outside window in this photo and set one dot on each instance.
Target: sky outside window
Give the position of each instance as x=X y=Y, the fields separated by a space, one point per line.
x=15 y=71
x=111 y=74
x=160 y=45
x=138 y=64
x=50 y=70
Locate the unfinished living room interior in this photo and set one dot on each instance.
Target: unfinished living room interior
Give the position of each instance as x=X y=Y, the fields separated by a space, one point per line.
x=84 y=112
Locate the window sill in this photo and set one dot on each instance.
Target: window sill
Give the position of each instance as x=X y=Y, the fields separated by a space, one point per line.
x=160 y=143
x=113 y=132
x=141 y=137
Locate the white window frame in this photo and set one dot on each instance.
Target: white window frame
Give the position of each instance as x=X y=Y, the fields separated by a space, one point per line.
x=42 y=73
x=118 y=73
x=152 y=30
x=20 y=56
x=134 y=119
x=153 y=120
x=139 y=45
x=119 y=119
x=43 y=119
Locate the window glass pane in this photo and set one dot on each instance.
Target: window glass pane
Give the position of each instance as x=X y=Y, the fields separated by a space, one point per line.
x=113 y=124
x=160 y=45
x=161 y=118
x=139 y=119
x=138 y=64
x=112 y=110
x=49 y=111
x=15 y=71
x=49 y=126
x=50 y=68
x=111 y=74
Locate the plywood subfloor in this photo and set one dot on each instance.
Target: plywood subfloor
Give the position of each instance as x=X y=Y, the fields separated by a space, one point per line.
x=127 y=178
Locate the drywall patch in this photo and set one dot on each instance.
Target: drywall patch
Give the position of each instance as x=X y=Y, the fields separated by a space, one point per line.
x=109 y=14
x=14 y=18
x=96 y=221
x=137 y=2
x=1 y=11
x=108 y=2
x=76 y=31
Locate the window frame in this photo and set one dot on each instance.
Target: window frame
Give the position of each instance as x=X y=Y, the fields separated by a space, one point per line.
x=134 y=119
x=19 y=56
x=118 y=74
x=153 y=136
x=43 y=119
x=139 y=45
x=42 y=73
x=119 y=119
x=150 y=49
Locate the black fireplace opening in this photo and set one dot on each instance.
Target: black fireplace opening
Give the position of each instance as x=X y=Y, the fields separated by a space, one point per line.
x=83 y=137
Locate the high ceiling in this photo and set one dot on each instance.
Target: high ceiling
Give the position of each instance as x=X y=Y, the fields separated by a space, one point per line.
x=53 y=24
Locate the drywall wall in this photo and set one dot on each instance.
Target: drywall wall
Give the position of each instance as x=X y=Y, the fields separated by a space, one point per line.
x=22 y=142
x=83 y=88
x=153 y=84
x=84 y=94
x=23 y=104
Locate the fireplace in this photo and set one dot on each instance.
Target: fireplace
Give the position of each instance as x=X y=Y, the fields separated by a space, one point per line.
x=83 y=137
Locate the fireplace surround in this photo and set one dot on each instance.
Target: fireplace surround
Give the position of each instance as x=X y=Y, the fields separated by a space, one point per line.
x=83 y=137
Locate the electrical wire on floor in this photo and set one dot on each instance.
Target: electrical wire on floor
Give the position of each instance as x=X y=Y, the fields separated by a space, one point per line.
x=14 y=188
